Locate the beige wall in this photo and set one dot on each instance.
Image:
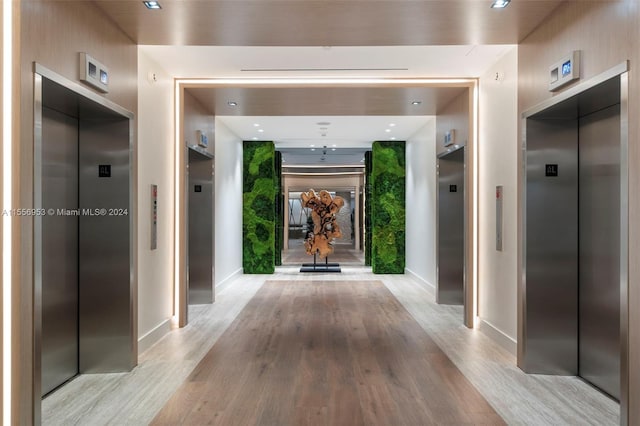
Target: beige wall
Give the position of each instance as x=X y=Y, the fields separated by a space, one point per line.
x=453 y=116
x=52 y=34
x=197 y=117
x=155 y=166
x=227 y=205
x=421 y=190
x=497 y=165
x=607 y=33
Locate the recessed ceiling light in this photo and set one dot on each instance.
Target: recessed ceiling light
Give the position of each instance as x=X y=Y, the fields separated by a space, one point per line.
x=254 y=138
x=232 y=103
x=393 y=138
x=387 y=130
x=312 y=145
x=256 y=125
x=313 y=149
x=334 y=145
x=152 y=5
x=261 y=130
x=392 y=124
x=500 y=4
x=416 y=102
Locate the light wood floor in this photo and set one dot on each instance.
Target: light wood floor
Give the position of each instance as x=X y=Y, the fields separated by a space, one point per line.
x=135 y=398
x=326 y=353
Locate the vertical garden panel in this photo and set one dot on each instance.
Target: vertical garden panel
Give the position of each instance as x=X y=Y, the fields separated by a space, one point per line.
x=367 y=208
x=258 y=208
x=279 y=200
x=388 y=208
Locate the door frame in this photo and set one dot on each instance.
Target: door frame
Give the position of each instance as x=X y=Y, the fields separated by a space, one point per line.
x=622 y=71
x=40 y=73
x=471 y=163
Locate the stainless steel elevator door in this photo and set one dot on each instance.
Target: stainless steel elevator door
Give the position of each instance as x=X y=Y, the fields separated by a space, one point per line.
x=599 y=271
x=60 y=249
x=450 y=286
x=200 y=258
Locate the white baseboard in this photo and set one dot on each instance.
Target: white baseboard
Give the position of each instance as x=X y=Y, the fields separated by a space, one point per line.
x=495 y=334
x=222 y=285
x=429 y=288
x=157 y=333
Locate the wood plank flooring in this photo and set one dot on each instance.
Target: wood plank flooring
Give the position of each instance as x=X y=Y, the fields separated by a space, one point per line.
x=326 y=353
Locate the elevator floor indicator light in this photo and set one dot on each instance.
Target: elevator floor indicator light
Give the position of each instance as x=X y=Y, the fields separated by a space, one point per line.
x=551 y=170
x=197 y=188
x=104 y=170
x=453 y=188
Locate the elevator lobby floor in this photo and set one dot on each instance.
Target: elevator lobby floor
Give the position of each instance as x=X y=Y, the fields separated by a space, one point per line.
x=349 y=348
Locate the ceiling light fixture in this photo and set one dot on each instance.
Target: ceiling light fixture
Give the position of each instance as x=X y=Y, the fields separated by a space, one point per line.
x=313 y=149
x=387 y=130
x=256 y=125
x=416 y=102
x=392 y=124
x=312 y=145
x=260 y=130
x=500 y=4
x=393 y=138
x=232 y=103
x=254 y=138
x=334 y=145
x=154 y=5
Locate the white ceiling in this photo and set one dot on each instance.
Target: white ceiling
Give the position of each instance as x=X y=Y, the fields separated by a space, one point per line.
x=295 y=134
x=342 y=132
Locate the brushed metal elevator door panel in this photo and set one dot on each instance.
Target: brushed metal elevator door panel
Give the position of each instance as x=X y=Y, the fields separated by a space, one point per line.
x=599 y=300
x=60 y=249
x=551 y=317
x=200 y=258
x=450 y=286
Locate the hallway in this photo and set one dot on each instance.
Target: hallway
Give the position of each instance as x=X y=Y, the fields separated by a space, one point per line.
x=326 y=353
x=137 y=397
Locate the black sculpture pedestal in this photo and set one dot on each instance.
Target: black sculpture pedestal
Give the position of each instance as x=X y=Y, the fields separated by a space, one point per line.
x=320 y=267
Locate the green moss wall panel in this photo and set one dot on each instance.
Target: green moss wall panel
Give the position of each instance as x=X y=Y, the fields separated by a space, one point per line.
x=258 y=208
x=367 y=208
x=279 y=200
x=388 y=208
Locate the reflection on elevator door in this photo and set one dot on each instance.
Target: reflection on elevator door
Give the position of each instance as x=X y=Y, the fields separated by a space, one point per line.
x=60 y=243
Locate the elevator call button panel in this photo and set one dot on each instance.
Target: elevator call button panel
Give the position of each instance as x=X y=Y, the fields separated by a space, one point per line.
x=154 y=217
x=551 y=170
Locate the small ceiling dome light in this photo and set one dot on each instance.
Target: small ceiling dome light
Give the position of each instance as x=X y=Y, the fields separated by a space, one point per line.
x=152 y=5
x=500 y=4
x=387 y=130
x=260 y=130
x=416 y=102
x=232 y=103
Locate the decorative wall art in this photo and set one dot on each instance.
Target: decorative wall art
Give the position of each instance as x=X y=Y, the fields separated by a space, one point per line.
x=388 y=207
x=258 y=208
x=325 y=226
